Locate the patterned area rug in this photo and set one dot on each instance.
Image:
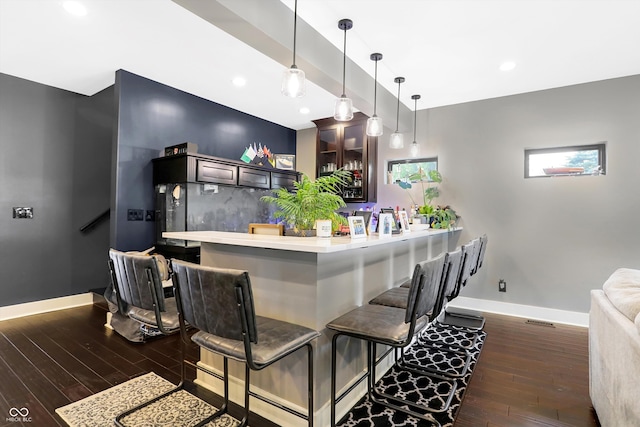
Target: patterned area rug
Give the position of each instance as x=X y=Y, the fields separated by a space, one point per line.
x=422 y=390
x=176 y=410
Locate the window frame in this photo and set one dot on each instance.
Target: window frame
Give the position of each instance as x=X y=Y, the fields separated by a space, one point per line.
x=390 y=164
x=600 y=147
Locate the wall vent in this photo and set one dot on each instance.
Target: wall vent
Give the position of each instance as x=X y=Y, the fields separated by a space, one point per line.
x=540 y=323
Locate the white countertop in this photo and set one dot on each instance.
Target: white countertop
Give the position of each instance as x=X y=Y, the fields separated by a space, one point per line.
x=299 y=244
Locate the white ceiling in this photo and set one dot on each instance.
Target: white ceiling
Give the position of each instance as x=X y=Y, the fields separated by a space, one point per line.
x=448 y=50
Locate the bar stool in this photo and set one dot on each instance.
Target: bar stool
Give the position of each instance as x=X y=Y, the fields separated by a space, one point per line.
x=137 y=283
x=467 y=319
x=392 y=326
x=219 y=303
x=140 y=296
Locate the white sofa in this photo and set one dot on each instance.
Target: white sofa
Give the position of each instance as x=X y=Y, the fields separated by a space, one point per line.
x=614 y=350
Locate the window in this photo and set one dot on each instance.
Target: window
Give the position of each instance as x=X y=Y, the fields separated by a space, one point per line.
x=398 y=170
x=565 y=161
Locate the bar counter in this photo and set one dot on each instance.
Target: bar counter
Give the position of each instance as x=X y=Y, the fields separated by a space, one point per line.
x=310 y=281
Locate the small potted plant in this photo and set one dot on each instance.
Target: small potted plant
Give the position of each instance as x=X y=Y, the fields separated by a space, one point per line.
x=438 y=217
x=311 y=201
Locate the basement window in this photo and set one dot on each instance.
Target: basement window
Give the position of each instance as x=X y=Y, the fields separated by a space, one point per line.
x=399 y=170
x=579 y=160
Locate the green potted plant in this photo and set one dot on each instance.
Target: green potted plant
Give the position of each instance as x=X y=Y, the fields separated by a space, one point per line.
x=438 y=217
x=444 y=217
x=311 y=201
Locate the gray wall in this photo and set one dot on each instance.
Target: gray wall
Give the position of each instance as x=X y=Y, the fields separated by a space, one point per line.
x=56 y=158
x=551 y=239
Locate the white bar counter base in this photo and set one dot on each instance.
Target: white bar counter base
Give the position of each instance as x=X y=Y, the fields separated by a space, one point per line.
x=310 y=281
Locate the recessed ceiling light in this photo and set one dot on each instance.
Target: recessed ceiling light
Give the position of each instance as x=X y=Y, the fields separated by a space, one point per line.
x=75 y=8
x=304 y=110
x=507 y=66
x=239 y=81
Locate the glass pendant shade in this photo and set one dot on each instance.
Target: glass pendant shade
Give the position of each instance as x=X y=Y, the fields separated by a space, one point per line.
x=293 y=82
x=374 y=126
x=397 y=141
x=344 y=109
x=415 y=149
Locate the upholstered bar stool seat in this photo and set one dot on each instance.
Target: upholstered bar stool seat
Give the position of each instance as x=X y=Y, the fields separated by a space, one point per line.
x=394 y=297
x=277 y=338
x=379 y=322
x=169 y=317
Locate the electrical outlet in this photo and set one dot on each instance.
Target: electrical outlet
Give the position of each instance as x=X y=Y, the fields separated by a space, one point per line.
x=150 y=215
x=502 y=285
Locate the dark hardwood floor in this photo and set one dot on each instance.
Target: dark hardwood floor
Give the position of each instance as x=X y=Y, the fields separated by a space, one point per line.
x=527 y=375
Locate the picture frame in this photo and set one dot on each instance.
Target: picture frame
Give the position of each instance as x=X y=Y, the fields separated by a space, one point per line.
x=385 y=225
x=285 y=161
x=404 y=222
x=357 y=227
x=394 y=225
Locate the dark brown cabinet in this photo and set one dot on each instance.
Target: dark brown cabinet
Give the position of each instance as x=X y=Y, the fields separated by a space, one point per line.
x=346 y=145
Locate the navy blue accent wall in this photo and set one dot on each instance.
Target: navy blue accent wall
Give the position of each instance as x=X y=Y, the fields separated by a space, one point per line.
x=151 y=116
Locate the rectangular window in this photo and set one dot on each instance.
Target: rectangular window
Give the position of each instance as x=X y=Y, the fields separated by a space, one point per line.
x=565 y=161
x=400 y=170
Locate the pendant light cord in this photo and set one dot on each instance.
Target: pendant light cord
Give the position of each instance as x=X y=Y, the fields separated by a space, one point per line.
x=295 y=27
x=398 y=109
x=415 y=119
x=375 y=88
x=344 y=62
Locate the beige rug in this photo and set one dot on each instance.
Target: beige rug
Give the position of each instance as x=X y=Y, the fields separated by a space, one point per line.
x=176 y=410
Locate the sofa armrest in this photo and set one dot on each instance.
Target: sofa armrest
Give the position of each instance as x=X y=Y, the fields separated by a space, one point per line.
x=614 y=363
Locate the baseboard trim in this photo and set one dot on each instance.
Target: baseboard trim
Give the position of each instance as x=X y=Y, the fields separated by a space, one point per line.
x=44 y=306
x=525 y=311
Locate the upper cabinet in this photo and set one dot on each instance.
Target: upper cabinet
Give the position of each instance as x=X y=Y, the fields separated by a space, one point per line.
x=214 y=170
x=346 y=145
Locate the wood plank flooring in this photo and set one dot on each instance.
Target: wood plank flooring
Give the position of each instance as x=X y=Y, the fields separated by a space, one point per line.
x=527 y=375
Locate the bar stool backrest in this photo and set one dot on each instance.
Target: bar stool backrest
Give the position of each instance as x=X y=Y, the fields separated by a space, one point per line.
x=483 y=247
x=210 y=297
x=450 y=274
x=136 y=279
x=431 y=272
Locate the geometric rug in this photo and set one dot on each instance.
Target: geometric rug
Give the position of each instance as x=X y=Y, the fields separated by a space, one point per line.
x=423 y=390
x=176 y=410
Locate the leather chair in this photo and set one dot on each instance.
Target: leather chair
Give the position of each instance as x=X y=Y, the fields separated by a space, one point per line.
x=140 y=296
x=219 y=303
x=139 y=292
x=392 y=326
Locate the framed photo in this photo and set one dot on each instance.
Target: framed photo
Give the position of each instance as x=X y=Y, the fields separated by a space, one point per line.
x=357 y=227
x=404 y=221
x=385 y=225
x=394 y=226
x=285 y=161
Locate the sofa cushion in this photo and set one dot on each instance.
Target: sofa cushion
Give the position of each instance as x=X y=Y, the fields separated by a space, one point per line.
x=638 y=323
x=623 y=290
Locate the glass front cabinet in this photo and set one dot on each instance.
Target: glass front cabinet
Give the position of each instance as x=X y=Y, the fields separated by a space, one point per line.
x=346 y=145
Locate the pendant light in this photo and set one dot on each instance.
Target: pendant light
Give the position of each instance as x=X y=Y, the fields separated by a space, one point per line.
x=344 y=107
x=374 y=124
x=397 y=141
x=293 y=82
x=415 y=148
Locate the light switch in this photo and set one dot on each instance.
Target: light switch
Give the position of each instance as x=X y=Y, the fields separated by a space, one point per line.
x=23 y=212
